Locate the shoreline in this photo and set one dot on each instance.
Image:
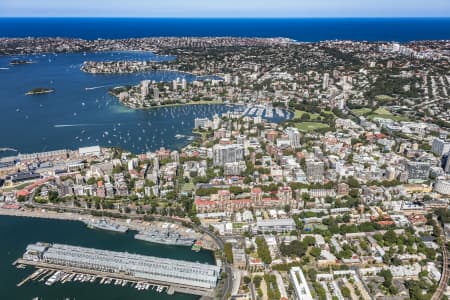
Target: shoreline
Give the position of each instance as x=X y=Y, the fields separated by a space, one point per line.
x=201 y=102
x=133 y=225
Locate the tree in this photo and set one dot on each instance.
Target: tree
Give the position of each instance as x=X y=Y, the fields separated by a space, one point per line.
x=287 y=208
x=387 y=275
x=354 y=193
x=309 y=240
x=390 y=237
x=53 y=196
x=295 y=248
x=91 y=181
x=353 y=182
x=312 y=274
x=247 y=280
x=305 y=117
x=345 y=292
x=257 y=281
x=228 y=249
x=315 y=252
x=263 y=250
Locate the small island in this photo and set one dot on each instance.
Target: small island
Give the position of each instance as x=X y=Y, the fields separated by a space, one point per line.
x=39 y=91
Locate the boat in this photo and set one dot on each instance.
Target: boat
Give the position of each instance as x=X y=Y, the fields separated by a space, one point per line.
x=54 y=278
x=38 y=91
x=106 y=225
x=19 y=62
x=165 y=237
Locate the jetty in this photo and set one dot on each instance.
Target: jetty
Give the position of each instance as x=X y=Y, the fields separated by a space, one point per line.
x=141 y=271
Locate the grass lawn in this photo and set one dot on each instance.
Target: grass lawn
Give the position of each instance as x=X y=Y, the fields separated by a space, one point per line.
x=16 y=187
x=383 y=97
x=385 y=114
x=299 y=113
x=361 y=111
x=188 y=187
x=310 y=126
x=382 y=111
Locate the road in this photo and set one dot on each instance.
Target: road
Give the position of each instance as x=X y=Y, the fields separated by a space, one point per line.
x=252 y=289
x=444 y=278
x=228 y=283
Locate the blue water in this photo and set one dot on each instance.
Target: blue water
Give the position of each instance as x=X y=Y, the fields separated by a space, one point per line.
x=383 y=29
x=18 y=232
x=73 y=117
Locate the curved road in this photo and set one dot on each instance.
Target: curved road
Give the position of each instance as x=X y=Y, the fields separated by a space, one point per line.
x=219 y=242
x=229 y=280
x=444 y=277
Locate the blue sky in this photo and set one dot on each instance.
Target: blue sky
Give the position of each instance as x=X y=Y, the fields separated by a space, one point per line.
x=225 y=8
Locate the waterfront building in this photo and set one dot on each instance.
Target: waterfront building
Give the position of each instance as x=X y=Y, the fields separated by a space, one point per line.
x=165 y=270
x=43 y=155
x=201 y=123
x=145 y=88
x=90 y=151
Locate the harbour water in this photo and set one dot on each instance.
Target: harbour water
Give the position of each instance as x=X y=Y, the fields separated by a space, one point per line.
x=18 y=232
x=81 y=112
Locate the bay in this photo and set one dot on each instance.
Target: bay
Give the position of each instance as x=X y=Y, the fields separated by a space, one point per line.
x=74 y=116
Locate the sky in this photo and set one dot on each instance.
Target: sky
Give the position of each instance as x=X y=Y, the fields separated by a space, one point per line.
x=225 y=8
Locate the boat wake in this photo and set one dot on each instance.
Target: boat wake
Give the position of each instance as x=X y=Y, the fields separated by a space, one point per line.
x=74 y=125
x=97 y=87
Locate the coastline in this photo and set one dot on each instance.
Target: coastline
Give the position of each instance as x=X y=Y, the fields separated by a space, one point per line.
x=134 y=225
x=201 y=102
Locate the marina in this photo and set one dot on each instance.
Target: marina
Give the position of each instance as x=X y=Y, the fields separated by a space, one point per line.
x=52 y=276
x=82 y=113
x=72 y=263
x=17 y=235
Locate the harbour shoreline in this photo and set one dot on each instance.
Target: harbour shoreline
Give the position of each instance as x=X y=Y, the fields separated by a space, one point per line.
x=133 y=225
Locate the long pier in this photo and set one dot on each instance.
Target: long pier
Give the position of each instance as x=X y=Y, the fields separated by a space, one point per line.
x=170 y=289
x=174 y=275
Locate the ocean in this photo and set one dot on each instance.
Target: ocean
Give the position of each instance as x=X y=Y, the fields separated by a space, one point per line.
x=306 y=30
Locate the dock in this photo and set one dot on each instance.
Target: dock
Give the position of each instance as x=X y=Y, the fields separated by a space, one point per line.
x=170 y=289
x=142 y=272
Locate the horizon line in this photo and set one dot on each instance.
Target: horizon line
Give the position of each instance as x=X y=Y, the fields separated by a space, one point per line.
x=224 y=17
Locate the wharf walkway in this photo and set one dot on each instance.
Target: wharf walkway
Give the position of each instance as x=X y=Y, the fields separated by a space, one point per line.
x=173 y=288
